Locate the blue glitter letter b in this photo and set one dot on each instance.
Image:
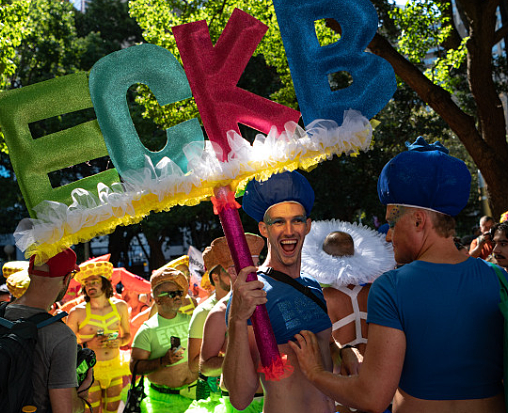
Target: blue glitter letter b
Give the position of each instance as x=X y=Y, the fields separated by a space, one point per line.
x=310 y=63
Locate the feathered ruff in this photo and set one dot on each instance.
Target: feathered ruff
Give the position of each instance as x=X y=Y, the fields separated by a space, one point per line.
x=373 y=255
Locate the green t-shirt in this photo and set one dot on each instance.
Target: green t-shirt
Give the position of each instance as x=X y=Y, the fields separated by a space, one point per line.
x=198 y=319
x=155 y=335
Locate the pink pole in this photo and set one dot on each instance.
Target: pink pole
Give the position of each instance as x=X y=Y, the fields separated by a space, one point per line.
x=273 y=365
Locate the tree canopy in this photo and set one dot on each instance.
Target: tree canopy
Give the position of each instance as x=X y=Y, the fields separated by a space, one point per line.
x=421 y=42
x=464 y=86
x=449 y=58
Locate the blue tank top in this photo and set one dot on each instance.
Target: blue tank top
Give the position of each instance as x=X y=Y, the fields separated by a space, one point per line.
x=452 y=323
x=290 y=311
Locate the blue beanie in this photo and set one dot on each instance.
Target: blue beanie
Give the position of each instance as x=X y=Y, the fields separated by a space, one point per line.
x=286 y=186
x=427 y=177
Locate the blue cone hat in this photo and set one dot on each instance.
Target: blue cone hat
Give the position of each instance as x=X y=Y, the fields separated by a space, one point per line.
x=283 y=187
x=426 y=177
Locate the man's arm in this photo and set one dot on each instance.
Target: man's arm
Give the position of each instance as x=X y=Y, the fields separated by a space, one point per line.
x=194 y=347
x=214 y=338
x=239 y=369
x=69 y=399
x=146 y=366
x=73 y=320
x=125 y=328
x=195 y=338
x=66 y=400
x=351 y=360
x=373 y=389
x=475 y=249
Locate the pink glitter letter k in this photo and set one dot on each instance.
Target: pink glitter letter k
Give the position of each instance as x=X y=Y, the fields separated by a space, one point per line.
x=214 y=71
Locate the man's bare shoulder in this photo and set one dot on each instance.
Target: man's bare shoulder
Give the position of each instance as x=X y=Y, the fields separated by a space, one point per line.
x=119 y=302
x=216 y=317
x=220 y=307
x=331 y=291
x=78 y=309
x=333 y=297
x=121 y=305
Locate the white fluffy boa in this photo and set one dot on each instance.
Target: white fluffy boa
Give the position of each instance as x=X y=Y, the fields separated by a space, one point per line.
x=373 y=255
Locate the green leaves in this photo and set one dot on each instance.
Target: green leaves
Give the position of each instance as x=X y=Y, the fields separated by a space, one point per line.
x=425 y=27
x=13 y=29
x=156 y=17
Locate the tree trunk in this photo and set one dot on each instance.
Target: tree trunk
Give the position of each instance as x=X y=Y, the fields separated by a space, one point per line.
x=156 y=258
x=484 y=136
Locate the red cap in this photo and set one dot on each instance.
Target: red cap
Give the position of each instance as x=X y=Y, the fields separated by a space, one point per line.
x=59 y=266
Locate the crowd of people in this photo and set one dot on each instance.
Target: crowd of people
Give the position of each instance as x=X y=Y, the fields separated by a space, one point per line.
x=406 y=321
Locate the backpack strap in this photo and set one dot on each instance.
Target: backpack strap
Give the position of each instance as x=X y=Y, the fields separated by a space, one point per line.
x=6 y=323
x=40 y=319
x=3 y=306
x=51 y=320
x=280 y=276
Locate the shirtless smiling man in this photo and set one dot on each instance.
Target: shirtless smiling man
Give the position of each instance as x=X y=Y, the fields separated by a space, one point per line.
x=281 y=205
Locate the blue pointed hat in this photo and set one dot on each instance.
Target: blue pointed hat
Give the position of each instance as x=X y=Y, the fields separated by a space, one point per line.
x=283 y=187
x=426 y=177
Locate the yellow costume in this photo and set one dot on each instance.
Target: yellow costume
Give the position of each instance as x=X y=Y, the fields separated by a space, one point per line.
x=105 y=371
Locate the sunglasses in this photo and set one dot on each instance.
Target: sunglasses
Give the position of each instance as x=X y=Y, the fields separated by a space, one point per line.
x=172 y=294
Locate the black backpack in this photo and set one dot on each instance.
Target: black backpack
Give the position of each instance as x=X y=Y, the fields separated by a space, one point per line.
x=17 y=346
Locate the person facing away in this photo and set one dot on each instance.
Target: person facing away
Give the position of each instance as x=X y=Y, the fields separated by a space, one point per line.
x=347 y=306
x=481 y=246
x=281 y=205
x=101 y=323
x=54 y=371
x=171 y=385
x=435 y=329
x=345 y=258
x=220 y=279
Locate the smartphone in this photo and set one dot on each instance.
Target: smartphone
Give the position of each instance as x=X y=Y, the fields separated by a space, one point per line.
x=175 y=343
x=113 y=336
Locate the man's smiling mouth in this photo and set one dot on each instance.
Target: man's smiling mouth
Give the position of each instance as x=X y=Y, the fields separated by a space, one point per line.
x=288 y=245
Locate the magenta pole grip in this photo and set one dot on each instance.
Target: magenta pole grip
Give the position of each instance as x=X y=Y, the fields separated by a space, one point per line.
x=235 y=236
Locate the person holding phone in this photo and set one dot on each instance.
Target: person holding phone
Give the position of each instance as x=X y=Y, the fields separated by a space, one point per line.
x=159 y=349
x=101 y=323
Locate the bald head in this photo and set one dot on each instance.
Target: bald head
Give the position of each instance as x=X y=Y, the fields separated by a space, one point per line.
x=339 y=244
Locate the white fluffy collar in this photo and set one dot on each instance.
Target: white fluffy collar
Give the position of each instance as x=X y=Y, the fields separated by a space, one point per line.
x=373 y=255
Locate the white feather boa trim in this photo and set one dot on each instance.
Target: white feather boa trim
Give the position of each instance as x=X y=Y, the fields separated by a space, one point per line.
x=373 y=255
x=162 y=186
